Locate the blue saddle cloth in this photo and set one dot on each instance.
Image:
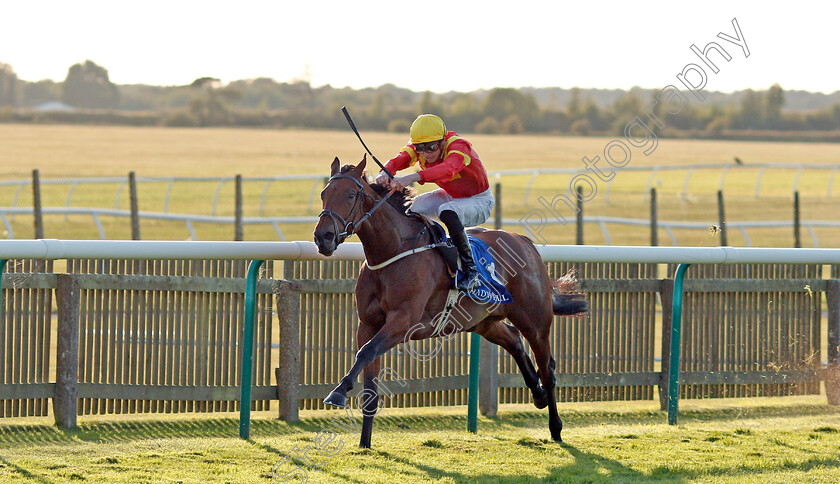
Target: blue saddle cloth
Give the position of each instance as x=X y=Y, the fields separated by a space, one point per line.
x=491 y=289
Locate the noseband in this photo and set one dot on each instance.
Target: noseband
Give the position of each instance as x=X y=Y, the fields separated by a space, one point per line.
x=350 y=225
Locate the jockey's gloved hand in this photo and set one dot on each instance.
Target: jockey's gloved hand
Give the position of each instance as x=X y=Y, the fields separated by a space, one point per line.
x=383 y=179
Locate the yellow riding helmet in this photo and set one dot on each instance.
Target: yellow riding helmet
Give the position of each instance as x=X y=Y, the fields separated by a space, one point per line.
x=427 y=127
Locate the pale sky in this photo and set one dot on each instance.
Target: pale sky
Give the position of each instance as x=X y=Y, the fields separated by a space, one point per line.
x=426 y=45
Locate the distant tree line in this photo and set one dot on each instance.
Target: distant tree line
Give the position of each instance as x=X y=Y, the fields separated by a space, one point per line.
x=93 y=98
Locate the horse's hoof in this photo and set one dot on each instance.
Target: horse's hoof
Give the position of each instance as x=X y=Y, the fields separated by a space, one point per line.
x=556 y=428
x=336 y=399
x=540 y=398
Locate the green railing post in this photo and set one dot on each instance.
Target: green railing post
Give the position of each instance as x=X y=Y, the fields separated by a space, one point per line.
x=248 y=349
x=676 y=331
x=2 y=266
x=472 y=401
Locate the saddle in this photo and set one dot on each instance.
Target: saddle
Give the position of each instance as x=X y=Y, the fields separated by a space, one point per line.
x=444 y=246
x=490 y=290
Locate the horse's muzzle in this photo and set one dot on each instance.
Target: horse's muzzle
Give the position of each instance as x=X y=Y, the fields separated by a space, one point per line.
x=326 y=242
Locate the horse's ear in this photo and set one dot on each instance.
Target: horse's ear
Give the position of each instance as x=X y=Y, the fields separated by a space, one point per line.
x=335 y=166
x=360 y=168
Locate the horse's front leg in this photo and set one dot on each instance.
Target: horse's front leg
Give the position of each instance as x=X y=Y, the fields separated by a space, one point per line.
x=391 y=334
x=370 y=401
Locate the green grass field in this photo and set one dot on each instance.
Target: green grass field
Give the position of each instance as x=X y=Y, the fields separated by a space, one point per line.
x=84 y=151
x=760 y=440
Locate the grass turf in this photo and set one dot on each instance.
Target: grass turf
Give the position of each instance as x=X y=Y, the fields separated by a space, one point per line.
x=759 y=440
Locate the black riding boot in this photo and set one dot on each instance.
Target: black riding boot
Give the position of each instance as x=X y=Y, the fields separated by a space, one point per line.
x=462 y=243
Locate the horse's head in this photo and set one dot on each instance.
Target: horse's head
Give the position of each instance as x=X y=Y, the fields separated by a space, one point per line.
x=342 y=200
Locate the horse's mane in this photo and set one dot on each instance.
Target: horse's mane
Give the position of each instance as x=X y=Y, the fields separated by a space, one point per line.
x=400 y=200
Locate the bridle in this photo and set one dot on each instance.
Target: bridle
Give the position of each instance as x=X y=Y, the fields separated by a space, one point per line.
x=349 y=225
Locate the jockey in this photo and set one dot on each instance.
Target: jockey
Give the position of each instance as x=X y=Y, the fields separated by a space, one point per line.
x=464 y=197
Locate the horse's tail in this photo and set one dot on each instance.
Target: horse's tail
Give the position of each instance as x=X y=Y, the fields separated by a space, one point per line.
x=567 y=298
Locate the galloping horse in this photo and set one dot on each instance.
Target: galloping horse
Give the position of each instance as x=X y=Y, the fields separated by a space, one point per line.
x=399 y=301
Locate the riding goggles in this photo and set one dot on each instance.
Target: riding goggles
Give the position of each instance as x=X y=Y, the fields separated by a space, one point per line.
x=426 y=147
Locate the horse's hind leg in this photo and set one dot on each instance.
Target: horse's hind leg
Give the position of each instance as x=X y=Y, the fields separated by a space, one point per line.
x=508 y=338
x=545 y=362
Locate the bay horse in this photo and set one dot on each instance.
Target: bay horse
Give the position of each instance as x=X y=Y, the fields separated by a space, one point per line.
x=398 y=302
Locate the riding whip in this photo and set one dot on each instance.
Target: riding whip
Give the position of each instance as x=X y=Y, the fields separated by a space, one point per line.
x=353 y=127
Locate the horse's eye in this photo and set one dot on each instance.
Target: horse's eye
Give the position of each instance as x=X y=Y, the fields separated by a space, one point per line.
x=352 y=194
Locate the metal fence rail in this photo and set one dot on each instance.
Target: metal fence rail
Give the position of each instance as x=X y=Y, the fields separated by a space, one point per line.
x=73 y=184
x=169 y=185
x=603 y=222
x=96 y=215
x=155 y=318
x=724 y=168
x=122 y=183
